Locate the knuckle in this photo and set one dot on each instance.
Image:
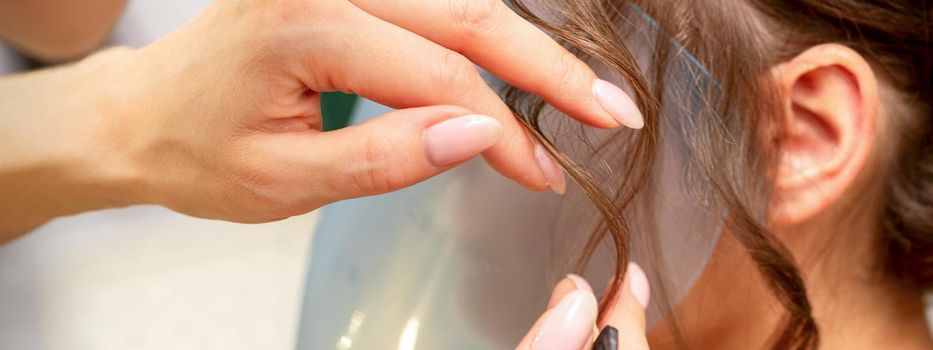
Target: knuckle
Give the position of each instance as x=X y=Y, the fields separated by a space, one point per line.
x=265 y=200
x=379 y=174
x=272 y=196
x=267 y=196
x=264 y=186
x=475 y=16
x=277 y=203
x=296 y=12
x=454 y=76
x=366 y=180
x=567 y=72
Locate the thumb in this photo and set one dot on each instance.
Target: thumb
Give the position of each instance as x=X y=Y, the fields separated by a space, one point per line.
x=567 y=324
x=401 y=148
x=624 y=328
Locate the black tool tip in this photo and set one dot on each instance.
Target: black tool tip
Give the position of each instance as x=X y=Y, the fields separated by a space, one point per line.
x=608 y=339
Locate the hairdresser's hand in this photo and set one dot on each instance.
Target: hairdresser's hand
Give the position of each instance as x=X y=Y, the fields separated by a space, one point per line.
x=222 y=117
x=569 y=321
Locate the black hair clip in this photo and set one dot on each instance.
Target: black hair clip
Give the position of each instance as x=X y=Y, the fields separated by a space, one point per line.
x=608 y=339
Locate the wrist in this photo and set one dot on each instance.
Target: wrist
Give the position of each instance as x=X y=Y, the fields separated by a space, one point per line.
x=58 y=154
x=108 y=92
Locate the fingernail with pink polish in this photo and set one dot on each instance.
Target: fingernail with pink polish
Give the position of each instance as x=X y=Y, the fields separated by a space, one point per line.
x=638 y=283
x=580 y=283
x=618 y=104
x=459 y=139
x=553 y=173
x=569 y=324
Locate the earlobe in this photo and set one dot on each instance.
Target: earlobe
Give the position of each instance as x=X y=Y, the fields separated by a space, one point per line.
x=829 y=103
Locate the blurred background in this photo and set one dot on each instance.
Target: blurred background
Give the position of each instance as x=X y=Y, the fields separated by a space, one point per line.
x=145 y=277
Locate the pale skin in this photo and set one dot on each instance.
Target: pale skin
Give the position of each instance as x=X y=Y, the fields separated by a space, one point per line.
x=839 y=116
x=221 y=118
x=825 y=210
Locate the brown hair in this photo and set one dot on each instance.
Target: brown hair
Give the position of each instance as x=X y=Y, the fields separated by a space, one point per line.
x=730 y=38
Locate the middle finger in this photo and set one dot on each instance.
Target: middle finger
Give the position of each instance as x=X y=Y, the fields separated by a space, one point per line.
x=496 y=38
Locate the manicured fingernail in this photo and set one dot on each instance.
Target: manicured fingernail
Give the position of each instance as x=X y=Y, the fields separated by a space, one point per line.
x=608 y=339
x=459 y=139
x=618 y=104
x=568 y=325
x=553 y=173
x=581 y=283
x=638 y=283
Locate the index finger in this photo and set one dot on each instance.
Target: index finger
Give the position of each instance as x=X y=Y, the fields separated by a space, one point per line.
x=499 y=40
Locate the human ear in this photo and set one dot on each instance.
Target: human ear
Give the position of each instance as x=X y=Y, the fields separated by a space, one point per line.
x=829 y=100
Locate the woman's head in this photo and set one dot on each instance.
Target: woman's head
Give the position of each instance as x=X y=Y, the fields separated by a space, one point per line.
x=825 y=119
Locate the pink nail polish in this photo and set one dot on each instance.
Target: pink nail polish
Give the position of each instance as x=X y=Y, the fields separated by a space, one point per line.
x=618 y=104
x=553 y=173
x=459 y=139
x=569 y=324
x=638 y=283
x=581 y=283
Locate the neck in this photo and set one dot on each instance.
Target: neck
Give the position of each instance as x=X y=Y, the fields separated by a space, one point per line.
x=856 y=306
x=865 y=315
